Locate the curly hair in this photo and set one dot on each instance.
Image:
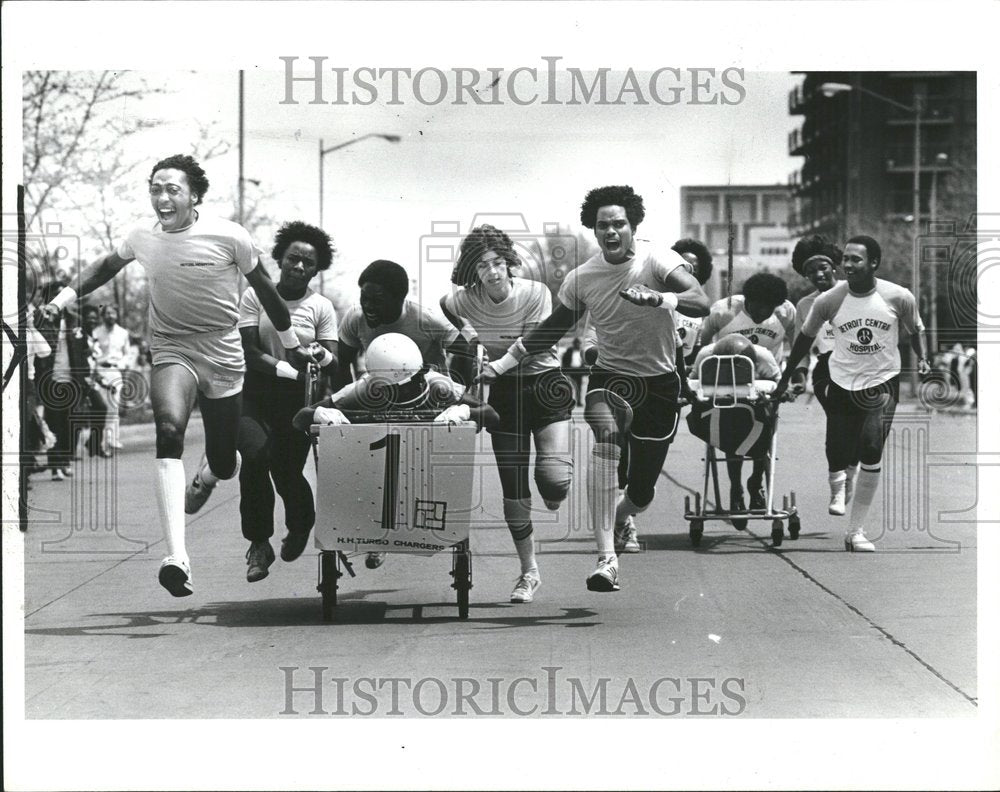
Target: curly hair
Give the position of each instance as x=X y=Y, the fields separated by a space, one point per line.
x=387 y=274
x=197 y=180
x=623 y=196
x=297 y=231
x=766 y=288
x=871 y=246
x=475 y=245
x=703 y=271
x=812 y=246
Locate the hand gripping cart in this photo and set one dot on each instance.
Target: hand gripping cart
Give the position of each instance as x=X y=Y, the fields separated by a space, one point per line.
x=396 y=483
x=735 y=415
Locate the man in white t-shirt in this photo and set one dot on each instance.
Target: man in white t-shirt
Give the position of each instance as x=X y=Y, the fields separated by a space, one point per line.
x=193 y=265
x=112 y=348
x=869 y=317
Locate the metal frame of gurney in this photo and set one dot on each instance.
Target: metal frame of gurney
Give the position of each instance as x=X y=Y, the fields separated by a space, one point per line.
x=725 y=385
x=395 y=483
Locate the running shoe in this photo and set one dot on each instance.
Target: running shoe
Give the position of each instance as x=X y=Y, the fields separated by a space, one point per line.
x=525 y=588
x=737 y=505
x=858 y=543
x=627 y=537
x=374 y=560
x=57 y=474
x=175 y=577
x=605 y=575
x=838 y=499
x=260 y=556
x=197 y=492
x=293 y=544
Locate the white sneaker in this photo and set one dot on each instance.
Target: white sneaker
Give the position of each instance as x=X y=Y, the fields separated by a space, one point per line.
x=175 y=577
x=627 y=537
x=838 y=501
x=605 y=575
x=525 y=587
x=197 y=492
x=858 y=543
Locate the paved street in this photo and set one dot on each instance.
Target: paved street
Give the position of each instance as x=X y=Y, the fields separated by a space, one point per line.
x=731 y=628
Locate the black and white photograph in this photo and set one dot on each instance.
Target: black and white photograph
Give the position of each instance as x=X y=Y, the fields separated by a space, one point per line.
x=422 y=395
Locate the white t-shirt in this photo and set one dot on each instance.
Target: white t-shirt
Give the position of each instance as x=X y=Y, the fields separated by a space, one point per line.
x=866 y=331
x=112 y=345
x=824 y=341
x=631 y=339
x=688 y=331
x=724 y=319
x=313 y=319
x=498 y=325
x=431 y=333
x=193 y=274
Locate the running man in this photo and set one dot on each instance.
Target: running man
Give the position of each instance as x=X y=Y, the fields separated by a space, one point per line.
x=534 y=399
x=764 y=315
x=275 y=391
x=193 y=264
x=631 y=292
x=868 y=316
x=816 y=260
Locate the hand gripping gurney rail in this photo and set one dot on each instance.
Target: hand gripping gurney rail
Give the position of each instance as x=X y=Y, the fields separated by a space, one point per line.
x=735 y=415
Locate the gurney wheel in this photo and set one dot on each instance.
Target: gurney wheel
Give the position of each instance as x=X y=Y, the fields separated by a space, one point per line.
x=462 y=574
x=777 y=533
x=794 y=526
x=328 y=574
x=695 y=532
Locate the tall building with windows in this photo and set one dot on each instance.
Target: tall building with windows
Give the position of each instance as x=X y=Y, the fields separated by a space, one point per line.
x=857 y=149
x=761 y=240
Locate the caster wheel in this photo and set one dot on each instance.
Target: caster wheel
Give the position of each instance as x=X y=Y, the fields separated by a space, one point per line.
x=777 y=533
x=695 y=532
x=794 y=526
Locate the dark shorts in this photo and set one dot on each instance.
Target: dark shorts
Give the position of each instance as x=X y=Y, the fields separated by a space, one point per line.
x=529 y=403
x=652 y=401
x=880 y=398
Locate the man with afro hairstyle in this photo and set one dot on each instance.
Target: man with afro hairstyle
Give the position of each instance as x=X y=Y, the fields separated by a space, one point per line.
x=194 y=265
x=631 y=291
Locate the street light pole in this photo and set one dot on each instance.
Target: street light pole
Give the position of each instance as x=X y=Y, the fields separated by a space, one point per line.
x=939 y=160
x=323 y=152
x=831 y=89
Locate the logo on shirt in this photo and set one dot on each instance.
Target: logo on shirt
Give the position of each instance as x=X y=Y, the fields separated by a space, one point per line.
x=196 y=264
x=754 y=338
x=864 y=336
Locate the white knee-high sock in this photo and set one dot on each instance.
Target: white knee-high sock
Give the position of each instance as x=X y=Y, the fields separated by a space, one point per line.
x=625 y=508
x=170 y=498
x=517 y=513
x=602 y=491
x=864 y=494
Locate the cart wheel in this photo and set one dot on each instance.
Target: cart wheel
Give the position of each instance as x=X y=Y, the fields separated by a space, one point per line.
x=794 y=526
x=328 y=574
x=777 y=533
x=462 y=574
x=695 y=532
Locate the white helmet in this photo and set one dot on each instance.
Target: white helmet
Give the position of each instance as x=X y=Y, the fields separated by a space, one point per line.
x=393 y=357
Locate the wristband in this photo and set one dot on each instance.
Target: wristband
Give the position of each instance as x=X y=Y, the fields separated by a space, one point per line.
x=327 y=358
x=505 y=364
x=669 y=300
x=289 y=340
x=284 y=369
x=66 y=296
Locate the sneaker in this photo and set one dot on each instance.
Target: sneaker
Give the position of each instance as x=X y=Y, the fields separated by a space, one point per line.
x=68 y=471
x=175 y=577
x=626 y=537
x=838 y=500
x=293 y=545
x=858 y=543
x=605 y=575
x=259 y=557
x=57 y=475
x=374 y=560
x=737 y=506
x=197 y=493
x=758 y=497
x=525 y=588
